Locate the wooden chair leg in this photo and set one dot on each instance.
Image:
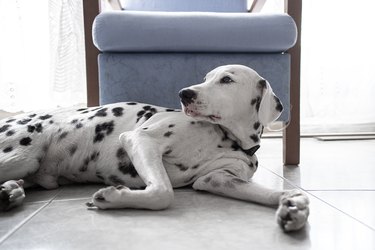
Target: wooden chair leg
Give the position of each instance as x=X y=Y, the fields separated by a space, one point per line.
x=90 y=11
x=291 y=135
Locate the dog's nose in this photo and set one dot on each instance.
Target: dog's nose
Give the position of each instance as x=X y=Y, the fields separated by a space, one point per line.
x=187 y=95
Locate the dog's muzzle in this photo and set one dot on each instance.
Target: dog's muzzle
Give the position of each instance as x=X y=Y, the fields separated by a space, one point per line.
x=187 y=96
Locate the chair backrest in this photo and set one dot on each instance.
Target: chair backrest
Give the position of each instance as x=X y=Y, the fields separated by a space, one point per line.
x=186 y=5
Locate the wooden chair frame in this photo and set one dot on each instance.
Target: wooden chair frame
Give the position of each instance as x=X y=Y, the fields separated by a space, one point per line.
x=291 y=134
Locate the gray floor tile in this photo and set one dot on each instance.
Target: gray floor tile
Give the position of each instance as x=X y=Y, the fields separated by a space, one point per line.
x=359 y=204
x=331 y=165
x=11 y=220
x=196 y=220
x=39 y=194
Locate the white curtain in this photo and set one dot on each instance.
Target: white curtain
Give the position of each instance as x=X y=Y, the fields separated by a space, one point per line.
x=337 y=65
x=42 y=54
x=338 y=69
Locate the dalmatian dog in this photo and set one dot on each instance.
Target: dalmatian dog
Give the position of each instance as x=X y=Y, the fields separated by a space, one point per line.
x=143 y=151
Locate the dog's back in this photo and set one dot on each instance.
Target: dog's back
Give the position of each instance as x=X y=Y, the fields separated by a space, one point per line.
x=79 y=144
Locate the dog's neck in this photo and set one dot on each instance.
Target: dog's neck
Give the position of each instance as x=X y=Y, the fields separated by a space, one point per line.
x=237 y=142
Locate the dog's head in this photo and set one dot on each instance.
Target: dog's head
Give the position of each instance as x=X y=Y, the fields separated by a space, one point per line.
x=235 y=97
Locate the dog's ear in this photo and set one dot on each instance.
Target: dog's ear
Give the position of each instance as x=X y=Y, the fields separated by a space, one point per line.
x=270 y=107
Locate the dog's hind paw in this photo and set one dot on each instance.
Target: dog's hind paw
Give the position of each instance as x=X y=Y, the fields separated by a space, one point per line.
x=11 y=194
x=293 y=210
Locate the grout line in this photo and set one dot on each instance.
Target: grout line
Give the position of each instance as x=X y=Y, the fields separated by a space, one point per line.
x=27 y=219
x=294 y=185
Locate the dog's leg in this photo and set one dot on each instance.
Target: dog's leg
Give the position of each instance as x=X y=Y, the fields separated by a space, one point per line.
x=146 y=155
x=293 y=209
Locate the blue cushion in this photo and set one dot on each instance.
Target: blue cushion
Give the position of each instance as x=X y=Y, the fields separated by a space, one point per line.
x=186 y=5
x=156 y=78
x=142 y=31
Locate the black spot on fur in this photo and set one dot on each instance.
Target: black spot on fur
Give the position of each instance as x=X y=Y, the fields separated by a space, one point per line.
x=62 y=136
x=219 y=146
x=251 y=165
x=118 y=111
x=74 y=121
x=94 y=156
x=145 y=128
x=153 y=110
x=279 y=106
x=79 y=125
x=121 y=153
x=254 y=137
x=192 y=122
x=127 y=169
x=181 y=167
x=168 y=152
x=148 y=115
x=51 y=122
x=207 y=179
x=83 y=168
x=103 y=129
x=195 y=166
x=85 y=112
x=85 y=165
x=8 y=149
x=45 y=117
x=100 y=113
x=262 y=84
x=32 y=115
x=23 y=121
x=148 y=107
x=256 y=102
x=38 y=127
x=251 y=151
x=99 y=176
x=10 y=133
x=10 y=120
x=95 y=109
x=116 y=180
x=169 y=110
x=235 y=146
x=256 y=125
x=168 y=134
x=171 y=126
x=4 y=128
x=30 y=129
x=26 y=141
x=140 y=113
x=131 y=103
x=72 y=149
x=82 y=109
x=98 y=137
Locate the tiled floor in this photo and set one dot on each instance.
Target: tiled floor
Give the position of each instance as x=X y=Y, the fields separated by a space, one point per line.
x=339 y=178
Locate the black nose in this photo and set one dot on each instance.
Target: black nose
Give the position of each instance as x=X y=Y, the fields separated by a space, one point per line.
x=187 y=95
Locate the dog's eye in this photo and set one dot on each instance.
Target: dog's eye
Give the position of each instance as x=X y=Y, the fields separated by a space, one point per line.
x=226 y=79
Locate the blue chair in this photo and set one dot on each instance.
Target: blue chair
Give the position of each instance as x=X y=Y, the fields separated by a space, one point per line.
x=150 y=49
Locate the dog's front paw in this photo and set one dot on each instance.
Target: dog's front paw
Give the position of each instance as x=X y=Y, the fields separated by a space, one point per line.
x=11 y=194
x=109 y=197
x=293 y=210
